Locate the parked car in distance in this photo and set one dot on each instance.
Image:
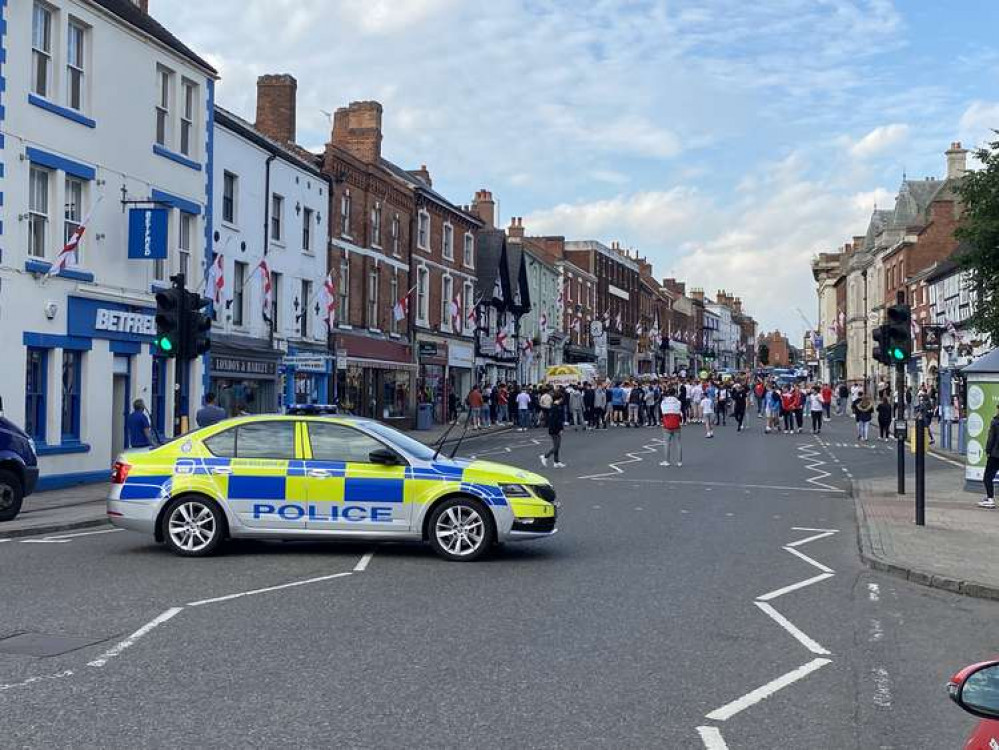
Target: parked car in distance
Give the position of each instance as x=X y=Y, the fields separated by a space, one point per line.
x=18 y=467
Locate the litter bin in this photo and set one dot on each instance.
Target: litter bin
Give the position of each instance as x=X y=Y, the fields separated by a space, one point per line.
x=425 y=416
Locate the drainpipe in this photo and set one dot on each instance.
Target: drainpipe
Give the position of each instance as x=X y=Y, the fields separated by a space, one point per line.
x=267 y=234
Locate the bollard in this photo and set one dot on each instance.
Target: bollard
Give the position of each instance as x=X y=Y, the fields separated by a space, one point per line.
x=962 y=436
x=920 y=471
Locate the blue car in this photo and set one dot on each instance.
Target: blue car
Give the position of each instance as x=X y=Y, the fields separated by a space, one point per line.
x=18 y=467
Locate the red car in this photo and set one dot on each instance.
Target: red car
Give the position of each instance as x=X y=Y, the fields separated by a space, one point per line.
x=976 y=690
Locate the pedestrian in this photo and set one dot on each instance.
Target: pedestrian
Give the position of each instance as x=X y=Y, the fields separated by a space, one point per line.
x=740 y=394
x=760 y=392
x=523 y=411
x=651 y=396
x=991 y=463
x=723 y=395
x=864 y=410
x=588 y=399
x=474 y=402
x=816 y=408
x=774 y=402
x=555 y=425
x=695 y=393
x=576 y=408
x=209 y=414
x=545 y=405
x=681 y=393
x=827 y=394
x=502 y=405
x=787 y=409
x=842 y=394
x=138 y=427
x=799 y=407
x=636 y=398
x=707 y=411
x=672 y=421
x=600 y=407
x=617 y=404
x=884 y=418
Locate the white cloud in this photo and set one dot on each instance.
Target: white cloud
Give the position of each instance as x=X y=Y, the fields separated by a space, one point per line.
x=978 y=122
x=879 y=140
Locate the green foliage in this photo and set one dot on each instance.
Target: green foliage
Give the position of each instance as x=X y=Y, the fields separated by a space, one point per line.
x=979 y=237
x=763 y=354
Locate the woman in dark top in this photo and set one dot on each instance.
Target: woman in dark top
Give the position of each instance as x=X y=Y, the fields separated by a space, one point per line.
x=884 y=418
x=556 y=421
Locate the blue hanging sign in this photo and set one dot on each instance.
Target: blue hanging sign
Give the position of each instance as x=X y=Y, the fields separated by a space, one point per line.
x=147 y=233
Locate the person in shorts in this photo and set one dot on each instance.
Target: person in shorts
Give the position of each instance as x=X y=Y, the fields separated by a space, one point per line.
x=672 y=420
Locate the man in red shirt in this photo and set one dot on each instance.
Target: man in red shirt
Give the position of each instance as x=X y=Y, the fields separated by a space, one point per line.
x=787 y=409
x=826 y=394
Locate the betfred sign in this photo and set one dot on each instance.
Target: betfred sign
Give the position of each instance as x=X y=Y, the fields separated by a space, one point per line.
x=125 y=322
x=99 y=319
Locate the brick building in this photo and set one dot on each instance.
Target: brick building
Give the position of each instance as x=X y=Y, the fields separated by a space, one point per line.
x=780 y=348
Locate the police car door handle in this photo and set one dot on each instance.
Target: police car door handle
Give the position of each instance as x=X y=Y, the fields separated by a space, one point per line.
x=221 y=470
x=319 y=472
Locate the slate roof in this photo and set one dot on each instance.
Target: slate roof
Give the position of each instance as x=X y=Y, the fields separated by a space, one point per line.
x=132 y=14
x=416 y=183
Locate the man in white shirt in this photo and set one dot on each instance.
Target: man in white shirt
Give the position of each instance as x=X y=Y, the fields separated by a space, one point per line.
x=695 y=393
x=523 y=410
x=672 y=420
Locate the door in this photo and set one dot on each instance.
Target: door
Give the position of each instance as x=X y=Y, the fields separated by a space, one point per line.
x=347 y=492
x=119 y=409
x=256 y=470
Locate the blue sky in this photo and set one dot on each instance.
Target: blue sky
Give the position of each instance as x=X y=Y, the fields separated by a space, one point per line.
x=727 y=141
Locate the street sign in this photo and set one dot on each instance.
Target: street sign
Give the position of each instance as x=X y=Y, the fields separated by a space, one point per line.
x=901 y=428
x=147 y=233
x=931 y=338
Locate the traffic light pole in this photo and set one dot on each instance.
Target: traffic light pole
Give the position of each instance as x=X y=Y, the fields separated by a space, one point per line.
x=180 y=364
x=900 y=415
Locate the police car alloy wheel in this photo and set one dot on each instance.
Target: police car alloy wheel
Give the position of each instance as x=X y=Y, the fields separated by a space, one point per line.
x=461 y=529
x=10 y=496
x=193 y=526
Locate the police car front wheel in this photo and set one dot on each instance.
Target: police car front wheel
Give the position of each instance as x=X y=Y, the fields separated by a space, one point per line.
x=461 y=529
x=193 y=526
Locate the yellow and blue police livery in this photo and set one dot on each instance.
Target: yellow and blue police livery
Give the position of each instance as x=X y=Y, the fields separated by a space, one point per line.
x=288 y=477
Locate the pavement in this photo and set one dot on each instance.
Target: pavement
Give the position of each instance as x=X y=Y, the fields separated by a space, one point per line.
x=720 y=605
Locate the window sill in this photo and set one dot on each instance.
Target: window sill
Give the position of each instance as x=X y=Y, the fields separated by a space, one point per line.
x=34 y=265
x=230 y=226
x=42 y=449
x=346 y=237
x=424 y=249
x=395 y=335
x=173 y=156
x=308 y=253
x=376 y=246
x=375 y=330
x=279 y=244
x=69 y=114
x=345 y=327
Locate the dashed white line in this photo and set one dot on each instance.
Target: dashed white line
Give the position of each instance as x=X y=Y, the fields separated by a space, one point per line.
x=85 y=533
x=877 y=632
x=882 y=687
x=771 y=595
x=267 y=590
x=712 y=738
x=362 y=564
x=114 y=651
x=765 y=691
x=873 y=592
x=38 y=678
x=791 y=628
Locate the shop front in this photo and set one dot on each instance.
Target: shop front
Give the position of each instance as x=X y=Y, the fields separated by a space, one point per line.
x=375 y=378
x=433 y=386
x=621 y=353
x=306 y=376
x=243 y=375
x=461 y=365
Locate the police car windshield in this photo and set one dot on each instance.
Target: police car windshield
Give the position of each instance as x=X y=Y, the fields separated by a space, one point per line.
x=414 y=448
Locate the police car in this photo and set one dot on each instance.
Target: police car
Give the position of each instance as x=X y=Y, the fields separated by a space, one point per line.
x=298 y=477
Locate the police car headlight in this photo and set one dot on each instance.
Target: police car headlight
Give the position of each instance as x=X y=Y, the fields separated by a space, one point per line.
x=515 y=490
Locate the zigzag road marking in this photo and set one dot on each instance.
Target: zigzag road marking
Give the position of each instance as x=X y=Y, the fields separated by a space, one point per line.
x=807 y=453
x=652 y=447
x=506 y=448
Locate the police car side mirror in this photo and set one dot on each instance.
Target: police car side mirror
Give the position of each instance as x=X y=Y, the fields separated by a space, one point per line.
x=383 y=456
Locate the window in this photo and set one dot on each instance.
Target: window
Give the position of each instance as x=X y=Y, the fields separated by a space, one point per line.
x=373 y=298
x=395 y=235
x=277 y=213
x=34 y=393
x=447 y=292
x=303 y=318
x=468 y=258
x=275 y=296
x=467 y=301
x=230 y=187
x=343 y=311
x=274 y=440
x=423 y=231
x=184 y=244
x=394 y=294
x=345 y=213
x=422 y=295
x=75 y=38
x=307 y=230
x=447 y=242
x=38 y=211
x=189 y=105
x=41 y=50
x=71 y=372
x=376 y=225
x=238 y=280
x=73 y=212
x=164 y=79
x=223 y=444
x=332 y=442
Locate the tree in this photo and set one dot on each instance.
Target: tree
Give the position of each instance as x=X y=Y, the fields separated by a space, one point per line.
x=763 y=354
x=978 y=234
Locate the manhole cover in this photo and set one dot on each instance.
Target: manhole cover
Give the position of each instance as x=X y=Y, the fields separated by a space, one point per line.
x=43 y=644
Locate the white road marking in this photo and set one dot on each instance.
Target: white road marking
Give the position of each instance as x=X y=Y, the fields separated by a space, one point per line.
x=800 y=542
x=877 y=632
x=362 y=564
x=807 y=559
x=806 y=528
x=791 y=628
x=807 y=453
x=771 y=595
x=712 y=738
x=266 y=590
x=882 y=687
x=5 y=540
x=38 y=678
x=765 y=691
x=114 y=651
x=946 y=460
x=607 y=478
x=652 y=447
x=84 y=533
x=46 y=541
x=873 y=592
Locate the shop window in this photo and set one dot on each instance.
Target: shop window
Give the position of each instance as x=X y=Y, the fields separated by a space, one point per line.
x=395 y=393
x=336 y=443
x=34 y=393
x=274 y=440
x=71 y=374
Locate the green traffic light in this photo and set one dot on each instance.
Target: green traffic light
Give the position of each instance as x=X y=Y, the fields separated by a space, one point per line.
x=898 y=354
x=165 y=344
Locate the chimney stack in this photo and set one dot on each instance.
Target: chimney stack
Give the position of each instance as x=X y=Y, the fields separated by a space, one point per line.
x=697 y=294
x=142 y=5
x=484 y=207
x=276 y=103
x=422 y=174
x=957 y=161
x=357 y=129
x=516 y=228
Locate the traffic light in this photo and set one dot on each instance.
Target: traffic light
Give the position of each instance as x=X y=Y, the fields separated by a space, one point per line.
x=899 y=334
x=881 y=344
x=168 y=322
x=198 y=325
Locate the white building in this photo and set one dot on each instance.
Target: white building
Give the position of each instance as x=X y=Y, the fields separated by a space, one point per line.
x=103 y=110
x=271 y=204
x=726 y=338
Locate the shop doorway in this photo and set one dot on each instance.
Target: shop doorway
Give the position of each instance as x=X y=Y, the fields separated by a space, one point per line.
x=121 y=387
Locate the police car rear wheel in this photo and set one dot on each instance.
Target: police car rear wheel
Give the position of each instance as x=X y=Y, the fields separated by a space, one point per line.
x=193 y=526
x=461 y=529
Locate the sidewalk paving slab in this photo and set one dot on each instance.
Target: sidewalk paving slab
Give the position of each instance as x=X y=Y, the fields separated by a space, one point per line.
x=955 y=551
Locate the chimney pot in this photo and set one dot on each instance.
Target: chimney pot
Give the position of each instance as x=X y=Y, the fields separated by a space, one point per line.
x=276 y=106
x=957 y=161
x=357 y=129
x=484 y=207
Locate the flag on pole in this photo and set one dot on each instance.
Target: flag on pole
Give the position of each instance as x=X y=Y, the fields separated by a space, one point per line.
x=73 y=243
x=501 y=338
x=617 y=321
x=577 y=323
x=528 y=348
x=638 y=330
x=454 y=310
x=327 y=300
x=473 y=313
x=265 y=288
x=401 y=308
x=543 y=323
x=216 y=279
x=915 y=332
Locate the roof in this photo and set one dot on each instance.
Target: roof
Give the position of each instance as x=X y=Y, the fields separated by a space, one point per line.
x=986 y=363
x=130 y=13
x=238 y=125
x=416 y=183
